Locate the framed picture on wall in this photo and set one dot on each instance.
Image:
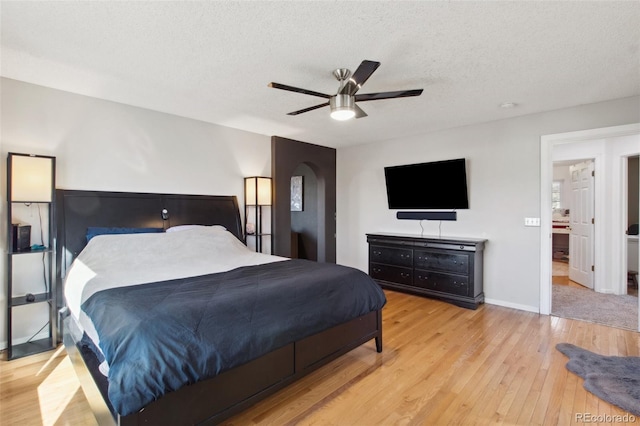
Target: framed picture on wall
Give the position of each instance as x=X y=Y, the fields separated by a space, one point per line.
x=297 y=192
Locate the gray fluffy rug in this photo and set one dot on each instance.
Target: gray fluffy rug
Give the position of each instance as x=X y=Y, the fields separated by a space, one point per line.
x=614 y=379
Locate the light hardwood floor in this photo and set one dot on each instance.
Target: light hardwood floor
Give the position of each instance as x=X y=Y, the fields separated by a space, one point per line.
x=441 y=365
x=560 y=276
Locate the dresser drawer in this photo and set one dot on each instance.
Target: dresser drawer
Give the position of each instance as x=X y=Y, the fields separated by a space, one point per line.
x=391 y=256
x=391 y=273
x=453 y=284
x=441 y=261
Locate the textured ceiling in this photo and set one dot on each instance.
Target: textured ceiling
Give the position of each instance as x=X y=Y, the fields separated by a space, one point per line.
x=212 y=61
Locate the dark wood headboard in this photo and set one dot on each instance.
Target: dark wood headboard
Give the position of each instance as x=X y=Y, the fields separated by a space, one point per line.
x=78 y=210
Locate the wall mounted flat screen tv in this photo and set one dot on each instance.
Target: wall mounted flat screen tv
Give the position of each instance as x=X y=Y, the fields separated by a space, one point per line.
x=434 y=185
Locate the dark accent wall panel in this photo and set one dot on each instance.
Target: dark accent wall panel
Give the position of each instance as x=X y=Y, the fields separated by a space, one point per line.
x=286 y=155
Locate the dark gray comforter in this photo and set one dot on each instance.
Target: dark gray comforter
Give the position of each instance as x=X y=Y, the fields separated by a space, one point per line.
x=159 y=337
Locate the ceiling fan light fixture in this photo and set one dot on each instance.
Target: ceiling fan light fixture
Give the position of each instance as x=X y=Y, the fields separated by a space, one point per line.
x=342 y=107
x=343 y=114
x=343 y=103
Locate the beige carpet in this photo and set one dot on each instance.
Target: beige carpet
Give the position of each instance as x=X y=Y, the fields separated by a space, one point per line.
x=587 y=305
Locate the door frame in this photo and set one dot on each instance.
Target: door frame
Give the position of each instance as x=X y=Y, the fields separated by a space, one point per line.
x=547 y=143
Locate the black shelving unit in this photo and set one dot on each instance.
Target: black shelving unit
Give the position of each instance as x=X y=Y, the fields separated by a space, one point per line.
x=257 y=213
x=35 y=166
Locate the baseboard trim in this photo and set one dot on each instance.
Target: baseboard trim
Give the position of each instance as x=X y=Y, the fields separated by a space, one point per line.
x=517 y=306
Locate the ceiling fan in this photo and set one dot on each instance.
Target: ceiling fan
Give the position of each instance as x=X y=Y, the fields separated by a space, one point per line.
x=343 y=103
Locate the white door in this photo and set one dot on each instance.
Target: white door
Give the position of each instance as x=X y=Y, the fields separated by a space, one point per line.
x=582 y=220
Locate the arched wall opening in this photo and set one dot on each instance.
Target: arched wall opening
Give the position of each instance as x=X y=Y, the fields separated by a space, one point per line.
x=304 y=213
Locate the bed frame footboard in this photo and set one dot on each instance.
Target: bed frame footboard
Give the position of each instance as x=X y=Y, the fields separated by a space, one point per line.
x=214 y=400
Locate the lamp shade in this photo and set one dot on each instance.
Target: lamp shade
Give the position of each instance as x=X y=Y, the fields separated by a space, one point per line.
x=257 y=191
x=31 y=178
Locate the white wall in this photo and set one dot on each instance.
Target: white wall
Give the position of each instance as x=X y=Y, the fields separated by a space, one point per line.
x=102 y=145
x=503 y=167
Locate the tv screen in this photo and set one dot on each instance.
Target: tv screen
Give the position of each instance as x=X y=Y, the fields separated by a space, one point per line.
x=435 y=185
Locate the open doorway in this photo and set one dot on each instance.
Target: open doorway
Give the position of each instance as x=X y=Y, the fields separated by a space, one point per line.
x=610 y=148
x=573 y=219
x=572 y=223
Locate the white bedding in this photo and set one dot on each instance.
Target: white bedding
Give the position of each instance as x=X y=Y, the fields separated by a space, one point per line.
x=110 y=261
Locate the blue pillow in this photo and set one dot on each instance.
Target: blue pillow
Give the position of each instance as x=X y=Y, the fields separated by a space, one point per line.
x=93 y=231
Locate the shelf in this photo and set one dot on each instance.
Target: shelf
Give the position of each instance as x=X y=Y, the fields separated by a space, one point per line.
x=44 y=250
x=257 y=212
x=31 y=183
x=22 y=300
x=32 y=347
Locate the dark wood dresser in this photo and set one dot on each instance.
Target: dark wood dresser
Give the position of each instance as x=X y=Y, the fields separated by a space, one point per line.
x=445 y=268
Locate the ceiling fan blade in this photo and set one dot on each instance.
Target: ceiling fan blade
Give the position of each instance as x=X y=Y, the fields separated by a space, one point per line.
x=359 y=77
x=308 y=109
x=298 y=90
x=388 y=95
x=359 y=112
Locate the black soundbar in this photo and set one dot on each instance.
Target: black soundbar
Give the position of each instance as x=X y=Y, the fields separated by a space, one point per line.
x=428 y=215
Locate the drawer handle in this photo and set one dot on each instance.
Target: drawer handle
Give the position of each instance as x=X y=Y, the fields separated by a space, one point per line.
x=376 y=269
x=402 y=256
x=403 y=275
x=420 y=277
x=377 y=253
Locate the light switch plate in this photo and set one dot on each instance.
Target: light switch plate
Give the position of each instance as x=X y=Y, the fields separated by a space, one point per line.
x=531 y=221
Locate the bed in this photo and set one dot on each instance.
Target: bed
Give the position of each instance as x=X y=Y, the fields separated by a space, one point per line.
x=226 y=375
